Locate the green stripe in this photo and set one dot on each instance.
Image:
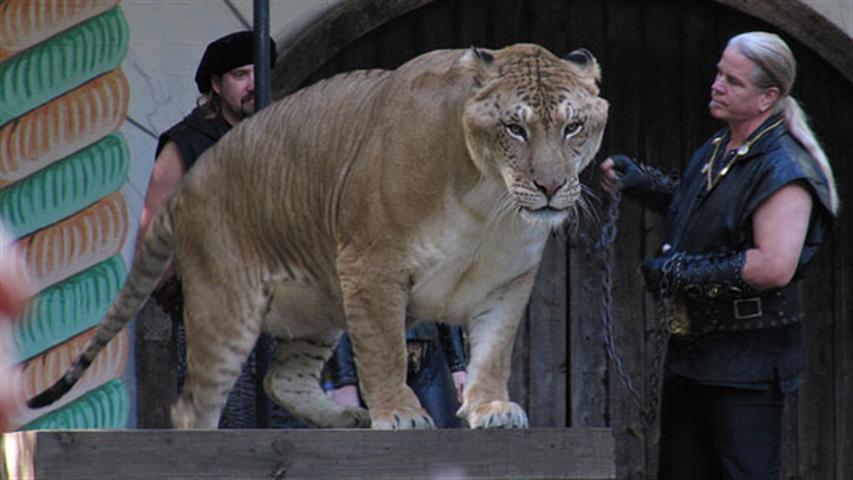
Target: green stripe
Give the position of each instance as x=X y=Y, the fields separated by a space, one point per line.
x=107 y=406
x=62 y=63
x=69 y=308
x=65 y=187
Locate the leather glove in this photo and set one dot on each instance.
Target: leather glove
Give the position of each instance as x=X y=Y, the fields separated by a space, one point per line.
x=644 y=182
x=631 y=177
x=709 y=275
x=655 y=270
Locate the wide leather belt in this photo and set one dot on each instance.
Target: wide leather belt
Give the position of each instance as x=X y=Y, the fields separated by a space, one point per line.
x=770 y=310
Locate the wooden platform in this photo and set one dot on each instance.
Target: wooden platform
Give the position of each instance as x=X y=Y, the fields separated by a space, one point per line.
x=310 y=454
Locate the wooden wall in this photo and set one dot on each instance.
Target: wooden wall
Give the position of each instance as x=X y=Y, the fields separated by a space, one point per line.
x=658 y=60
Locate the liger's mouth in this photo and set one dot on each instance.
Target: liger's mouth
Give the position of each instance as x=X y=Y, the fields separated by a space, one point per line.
x=548 y=209
x=547 y=214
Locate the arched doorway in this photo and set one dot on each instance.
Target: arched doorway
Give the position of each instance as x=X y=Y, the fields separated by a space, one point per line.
x=658 y=59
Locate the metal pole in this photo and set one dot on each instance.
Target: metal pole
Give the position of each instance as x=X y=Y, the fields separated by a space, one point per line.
x=262 y=53
x=264 y=347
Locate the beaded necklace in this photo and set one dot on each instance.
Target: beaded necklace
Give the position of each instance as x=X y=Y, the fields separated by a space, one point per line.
x=708 y=168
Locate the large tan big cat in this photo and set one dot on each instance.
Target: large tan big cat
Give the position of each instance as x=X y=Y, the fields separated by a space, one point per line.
x=430 y=189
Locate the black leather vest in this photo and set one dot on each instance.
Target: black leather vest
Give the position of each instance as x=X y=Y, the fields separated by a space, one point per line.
x=752 y=341
x=193 y=135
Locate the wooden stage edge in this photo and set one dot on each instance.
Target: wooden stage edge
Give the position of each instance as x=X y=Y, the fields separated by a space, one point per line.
x=539 y=453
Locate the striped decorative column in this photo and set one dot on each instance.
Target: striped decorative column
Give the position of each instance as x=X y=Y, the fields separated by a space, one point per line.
x=62 y=163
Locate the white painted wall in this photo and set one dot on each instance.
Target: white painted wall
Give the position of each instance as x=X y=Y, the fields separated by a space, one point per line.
x=840 y=12
x=167 y=40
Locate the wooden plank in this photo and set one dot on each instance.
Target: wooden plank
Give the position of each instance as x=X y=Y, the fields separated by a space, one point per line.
x=399 y=41
x=316 y=454
x=816 y=407
x=547 y=357
x=824 y=417
x=699 y=58
x=359 y=55
x=551 y=23
x=625 y=74
x=587 y=26
x=589 y=396
x=507 y=22
x=519 y=378
x=435 y=26
x=843 y=332
x=837 y=134
x=468 y=19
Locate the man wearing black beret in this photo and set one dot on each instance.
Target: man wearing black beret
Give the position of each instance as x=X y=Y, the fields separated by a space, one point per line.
x=226 y=81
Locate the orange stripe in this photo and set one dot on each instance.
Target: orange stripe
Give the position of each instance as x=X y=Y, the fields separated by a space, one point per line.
x=25 y=23
x=61 y=127
x=70 y=246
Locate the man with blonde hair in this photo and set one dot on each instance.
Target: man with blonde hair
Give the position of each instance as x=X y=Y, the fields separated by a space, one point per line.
x=749 y=212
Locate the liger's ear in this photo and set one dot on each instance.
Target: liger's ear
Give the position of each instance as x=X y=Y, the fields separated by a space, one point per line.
x=479 y=62
x=584 y=64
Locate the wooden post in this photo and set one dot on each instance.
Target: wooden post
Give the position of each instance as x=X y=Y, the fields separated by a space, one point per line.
x=311 y=454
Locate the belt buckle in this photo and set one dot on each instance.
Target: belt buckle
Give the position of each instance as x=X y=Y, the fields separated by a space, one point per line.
x=752 y=305
x=679 y=321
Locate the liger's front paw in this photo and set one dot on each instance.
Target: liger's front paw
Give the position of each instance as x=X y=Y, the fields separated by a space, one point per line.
x=350 y=417
x=400 y=418
x=496 y=414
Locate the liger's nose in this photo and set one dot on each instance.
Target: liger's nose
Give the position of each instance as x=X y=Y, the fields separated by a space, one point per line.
x=549 y=188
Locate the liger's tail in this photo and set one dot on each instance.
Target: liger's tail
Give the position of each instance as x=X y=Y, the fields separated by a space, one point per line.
x=148 y=266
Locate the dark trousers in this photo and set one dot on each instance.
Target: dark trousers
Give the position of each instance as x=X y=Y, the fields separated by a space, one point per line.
x=430 y=378
x=710 y=432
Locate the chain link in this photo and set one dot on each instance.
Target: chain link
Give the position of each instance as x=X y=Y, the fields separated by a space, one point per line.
x=659 y=336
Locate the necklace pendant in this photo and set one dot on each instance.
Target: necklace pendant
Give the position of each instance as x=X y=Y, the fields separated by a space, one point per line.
x=743 y=150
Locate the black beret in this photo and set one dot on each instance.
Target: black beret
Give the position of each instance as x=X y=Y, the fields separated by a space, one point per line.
x=226 y=54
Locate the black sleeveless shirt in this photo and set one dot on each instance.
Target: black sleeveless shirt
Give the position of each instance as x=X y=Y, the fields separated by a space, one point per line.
x=193 y=135
x=720 y=220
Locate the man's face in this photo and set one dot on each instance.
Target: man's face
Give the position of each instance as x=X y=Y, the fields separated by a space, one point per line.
x=236 y=88
x=734 y=98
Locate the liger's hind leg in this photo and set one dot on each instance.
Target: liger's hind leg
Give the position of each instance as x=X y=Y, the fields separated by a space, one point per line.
x=221 y=332
x=293 y=381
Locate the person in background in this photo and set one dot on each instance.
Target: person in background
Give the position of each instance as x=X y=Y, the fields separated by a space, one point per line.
x=750 y=211
x=226 y=82
x=436 y=371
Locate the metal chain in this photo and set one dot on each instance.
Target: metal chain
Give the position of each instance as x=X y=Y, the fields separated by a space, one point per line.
x=660 y=336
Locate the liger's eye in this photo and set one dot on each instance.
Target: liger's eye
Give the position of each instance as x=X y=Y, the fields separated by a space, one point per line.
x=572 y=129
x=516 y=131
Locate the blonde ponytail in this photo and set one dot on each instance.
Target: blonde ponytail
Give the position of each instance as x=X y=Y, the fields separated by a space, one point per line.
x=778 y=68
x=798 y=125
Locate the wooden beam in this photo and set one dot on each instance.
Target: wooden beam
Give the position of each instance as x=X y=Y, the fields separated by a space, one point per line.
x=804 y=23
x=310 y=454
x=303 y=53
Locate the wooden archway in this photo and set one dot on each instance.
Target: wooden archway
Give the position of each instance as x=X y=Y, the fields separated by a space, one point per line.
x=658 y=58
x=310 y=46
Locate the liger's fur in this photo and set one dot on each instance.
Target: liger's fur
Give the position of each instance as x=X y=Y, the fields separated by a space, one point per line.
x=430 y=189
